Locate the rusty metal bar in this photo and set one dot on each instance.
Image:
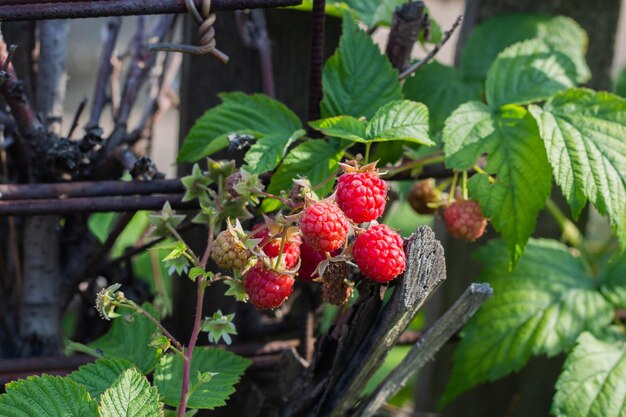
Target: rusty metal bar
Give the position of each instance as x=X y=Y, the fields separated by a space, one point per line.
x=70 y=9
x=88 y=189
x=92 y=205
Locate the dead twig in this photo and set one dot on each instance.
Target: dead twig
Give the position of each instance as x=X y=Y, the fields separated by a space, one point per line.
x=446 y=36
x=426 y=347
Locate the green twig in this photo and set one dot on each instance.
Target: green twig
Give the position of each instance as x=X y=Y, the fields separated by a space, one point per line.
x=571 y=234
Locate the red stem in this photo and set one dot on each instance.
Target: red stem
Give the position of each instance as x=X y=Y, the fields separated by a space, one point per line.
x=196 y=328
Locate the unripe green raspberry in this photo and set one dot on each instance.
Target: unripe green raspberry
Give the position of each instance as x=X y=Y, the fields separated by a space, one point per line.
x=228 y=252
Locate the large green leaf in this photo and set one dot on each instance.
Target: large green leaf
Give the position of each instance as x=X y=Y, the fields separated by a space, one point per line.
x=98 y=376
x=358 y=79
x=442 y=89
x=584 y=133
x=613 y=280
x=344 y=127
x=226 y=367
x=131 y=395
x=315 y=160
x=527 y=72
x=401 y=120
x=128 y=338
x=539 y=308
x=593 y=380
x=46 y=396
x=495 y=34
x=266 y=154
x=257 y=114
x=515 y=156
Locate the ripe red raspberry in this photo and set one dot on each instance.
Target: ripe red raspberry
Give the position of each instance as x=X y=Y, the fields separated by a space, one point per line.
x=362 y=195
x=228 y=252
x=267 y=289
x=465 y=220
x=291 y=249
x=310 y=259
x=324 y=226
x=422 y=193
x=379 y=253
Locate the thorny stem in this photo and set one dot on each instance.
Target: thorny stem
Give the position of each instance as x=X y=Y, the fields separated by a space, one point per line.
x=196 y=326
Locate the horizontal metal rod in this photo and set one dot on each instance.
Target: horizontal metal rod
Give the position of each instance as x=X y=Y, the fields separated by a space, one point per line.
x=88 y=189
x=70 y=9
x=92 y=205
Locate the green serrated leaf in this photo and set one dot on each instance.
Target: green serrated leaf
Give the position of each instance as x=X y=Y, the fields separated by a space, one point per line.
x=266 y=154
x=613 y=281
x=540 y=308
x=196 y=272
x=131 y=395
x=48 y=396
x=358 y=79
x=583 y=132
x=522 y=183
x=129 y=338
x=315 y=160
x=344 y=127
x=527 y=72
x=442 y=89
x=257 y=115
x=401 y=120
x=236 y=289
x=592 y=381
x=227 y=367
x=98 y=376
x=493 y=35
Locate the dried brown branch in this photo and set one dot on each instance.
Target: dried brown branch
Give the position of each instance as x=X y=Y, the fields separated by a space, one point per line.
x=100 y=99
x=425 y=272
x=425 y=348
x=446 y=37
x=408 y=21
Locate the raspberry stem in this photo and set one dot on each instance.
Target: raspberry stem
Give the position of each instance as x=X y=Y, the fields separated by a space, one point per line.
x=455 y=179
x=483 y=172
x=326 y=180
x=427 y=160
x=283 y=238
x=196 y=325
x=368 y=146
x=130 y=304
x=465 y=193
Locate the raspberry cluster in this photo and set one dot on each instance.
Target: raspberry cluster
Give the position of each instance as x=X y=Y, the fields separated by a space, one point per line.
x=463 y=217
x=316 y=242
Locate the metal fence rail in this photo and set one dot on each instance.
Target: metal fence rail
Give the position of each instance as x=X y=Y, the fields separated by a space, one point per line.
x=70 y=9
